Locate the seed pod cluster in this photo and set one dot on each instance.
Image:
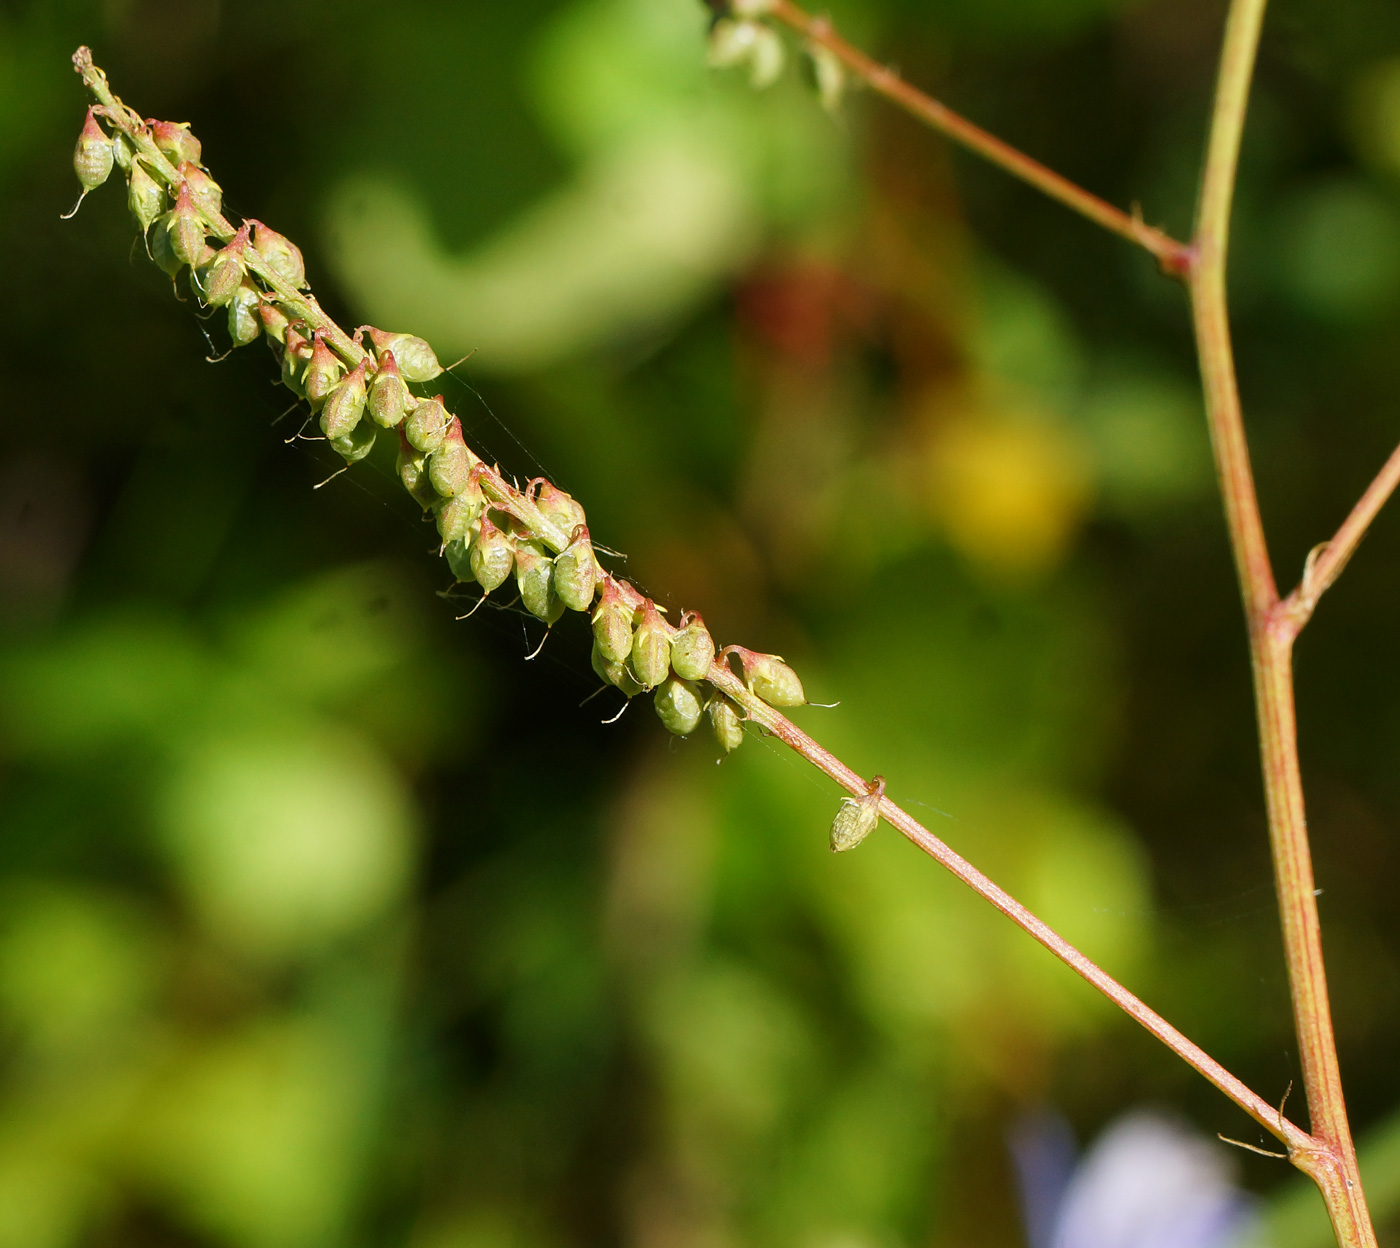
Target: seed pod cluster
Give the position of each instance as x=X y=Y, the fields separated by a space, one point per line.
x=491 y=532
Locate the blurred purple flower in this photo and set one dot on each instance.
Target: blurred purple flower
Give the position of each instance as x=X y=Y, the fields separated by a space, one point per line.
x=1148 y=1182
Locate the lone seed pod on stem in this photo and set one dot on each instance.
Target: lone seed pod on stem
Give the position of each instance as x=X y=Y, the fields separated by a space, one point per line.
x=857 y=817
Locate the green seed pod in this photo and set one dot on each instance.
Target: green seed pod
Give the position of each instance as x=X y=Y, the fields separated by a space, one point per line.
x=534 y=577
x=415 y=358
x=344 y=405
x=576 y=572
x=144 y=196
x=224 y=274
x=458 y=552
x=563 y=509
x=207 y=194
x=176 y=142
x=727 y=722
x=692 y=648
x=678 y=706
x=281 y=255
x=274 y=321
x=651 y=648
x=121 y=153
x=458 y=513
x=244 y=324
x=830 y=74
x=451 y=464
x=427 y=426
x=748 y=43
x=769 y=678
x=323 y=373
x=413 y=472
x=355 y=445
x=857 y=818
x=612 y=620
x=492 y=556
x=94 y=155
x=615 y=673
x=185 y=228
x=296 y=355
x=161 y=251
x=389 y=397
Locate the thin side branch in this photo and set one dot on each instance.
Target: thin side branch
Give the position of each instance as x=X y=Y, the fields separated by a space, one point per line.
x=1327 y=562
x=1265 y=1114
x=1173 y=256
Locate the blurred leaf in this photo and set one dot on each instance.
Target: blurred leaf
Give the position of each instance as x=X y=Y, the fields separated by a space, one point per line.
x=287 y=835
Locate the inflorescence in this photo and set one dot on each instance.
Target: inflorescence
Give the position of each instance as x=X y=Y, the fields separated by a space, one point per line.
x=491 y=530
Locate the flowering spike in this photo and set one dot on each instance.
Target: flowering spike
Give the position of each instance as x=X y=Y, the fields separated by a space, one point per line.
x=427 y=426
x=576 y=572
x=415 y=358
x=282 y=255
x=491 y=555
x=651 y=648
x=94 y=155
x=678 y=706
x=768 y=677
x=692 y=648
x=857 y=817
x=727 y=723
x=176 y=142
x=344 y=405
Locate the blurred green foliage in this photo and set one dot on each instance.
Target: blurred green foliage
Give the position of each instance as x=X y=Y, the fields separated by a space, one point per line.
x=325 y=919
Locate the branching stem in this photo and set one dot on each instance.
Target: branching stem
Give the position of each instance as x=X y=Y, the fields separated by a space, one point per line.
x=1330 y=1157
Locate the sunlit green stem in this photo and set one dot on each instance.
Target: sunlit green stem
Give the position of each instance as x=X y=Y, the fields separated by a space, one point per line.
x=1330 y=1157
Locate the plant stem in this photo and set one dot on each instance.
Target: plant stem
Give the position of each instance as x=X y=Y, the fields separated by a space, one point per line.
x=1173 y=256
x=1267 y=1116
x=1330 y=1158
x=1327 y=561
